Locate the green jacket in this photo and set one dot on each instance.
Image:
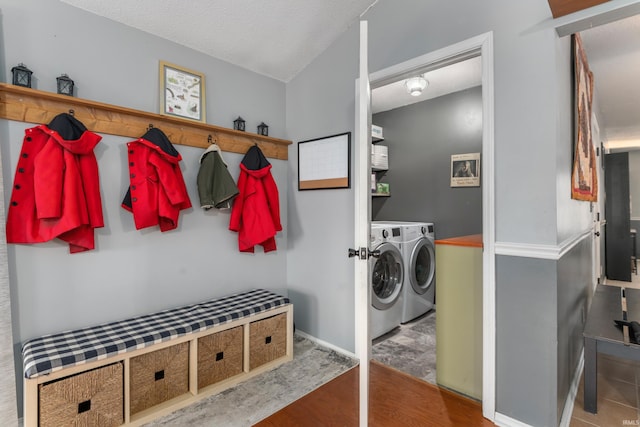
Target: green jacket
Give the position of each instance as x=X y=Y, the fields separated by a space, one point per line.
x=216 y=187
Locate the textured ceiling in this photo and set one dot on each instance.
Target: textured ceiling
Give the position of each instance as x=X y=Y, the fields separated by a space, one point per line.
x=276 y=38
x=613 y=52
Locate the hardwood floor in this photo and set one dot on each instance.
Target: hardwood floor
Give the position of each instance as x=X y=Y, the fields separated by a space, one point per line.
x=396 y=399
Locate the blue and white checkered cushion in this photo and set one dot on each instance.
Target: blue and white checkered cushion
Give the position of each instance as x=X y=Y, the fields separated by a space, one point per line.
x=53 y=352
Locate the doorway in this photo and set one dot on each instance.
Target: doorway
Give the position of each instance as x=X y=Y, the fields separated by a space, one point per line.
x=481 y=46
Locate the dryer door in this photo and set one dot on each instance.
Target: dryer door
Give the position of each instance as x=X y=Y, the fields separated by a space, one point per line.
x=387 y=274
x=422 y=266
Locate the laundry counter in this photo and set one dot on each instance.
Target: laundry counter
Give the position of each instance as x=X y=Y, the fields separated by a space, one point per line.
x=459 y=314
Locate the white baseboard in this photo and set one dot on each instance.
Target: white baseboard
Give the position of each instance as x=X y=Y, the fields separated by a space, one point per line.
x=326 y=344
x=504 y=421
x=573 y=391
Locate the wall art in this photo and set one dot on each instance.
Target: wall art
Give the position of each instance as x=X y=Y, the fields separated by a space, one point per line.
x=465 y=170
x=323 y=163
x=182 y=92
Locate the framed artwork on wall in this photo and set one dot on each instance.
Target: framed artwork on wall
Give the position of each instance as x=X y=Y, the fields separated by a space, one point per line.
x=323 y=163
x=584 y=174
x=182 y=92
x=465 y=170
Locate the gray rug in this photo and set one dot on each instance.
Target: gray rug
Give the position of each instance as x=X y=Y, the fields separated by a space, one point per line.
x=255 y=399
x=410 y=348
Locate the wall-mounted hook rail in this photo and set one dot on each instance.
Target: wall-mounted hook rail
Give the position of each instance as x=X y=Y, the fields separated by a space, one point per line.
x=36 y=106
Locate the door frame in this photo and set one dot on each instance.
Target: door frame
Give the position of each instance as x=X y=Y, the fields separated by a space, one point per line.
x=481 y=45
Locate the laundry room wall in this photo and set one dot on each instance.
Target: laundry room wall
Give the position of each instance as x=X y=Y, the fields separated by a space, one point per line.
x=421 y=139
x=131 y=272
x=634 y=191
x=532 y=129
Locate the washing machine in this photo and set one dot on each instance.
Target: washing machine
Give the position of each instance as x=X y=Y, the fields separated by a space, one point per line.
x=386 y=278
x=420 y=267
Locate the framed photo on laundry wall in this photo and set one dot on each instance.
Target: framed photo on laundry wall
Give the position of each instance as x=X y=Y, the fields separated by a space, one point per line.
x=182 y=92
x=465 y=170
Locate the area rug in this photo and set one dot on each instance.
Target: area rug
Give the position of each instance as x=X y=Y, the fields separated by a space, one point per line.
x=255 y=399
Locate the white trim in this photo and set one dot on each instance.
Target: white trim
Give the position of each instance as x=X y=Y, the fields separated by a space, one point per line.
x=326 y=344
x=532 y=250
x=504 y=421
x=635 y=218
x=565 y=420
x=480 y=45
x=594 y=16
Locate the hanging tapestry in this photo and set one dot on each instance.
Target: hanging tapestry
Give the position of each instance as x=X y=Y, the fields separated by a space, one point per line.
x=584 y=176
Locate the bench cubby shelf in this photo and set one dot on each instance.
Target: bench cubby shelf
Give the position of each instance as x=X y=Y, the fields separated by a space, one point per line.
x=266 y=342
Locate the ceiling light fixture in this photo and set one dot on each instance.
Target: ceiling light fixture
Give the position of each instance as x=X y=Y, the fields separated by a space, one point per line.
x=415 y=85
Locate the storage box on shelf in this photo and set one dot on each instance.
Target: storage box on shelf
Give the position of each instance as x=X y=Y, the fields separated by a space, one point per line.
x=142 y=368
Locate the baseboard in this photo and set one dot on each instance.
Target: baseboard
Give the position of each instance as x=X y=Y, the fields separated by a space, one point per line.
x=573 y=391
x=326 y=344
x=504 y=421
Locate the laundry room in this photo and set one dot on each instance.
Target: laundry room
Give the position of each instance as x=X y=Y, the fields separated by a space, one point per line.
x=426 y=214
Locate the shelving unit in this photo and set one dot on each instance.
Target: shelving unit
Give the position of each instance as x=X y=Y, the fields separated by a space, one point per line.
x=378 y=170
x=35 y=106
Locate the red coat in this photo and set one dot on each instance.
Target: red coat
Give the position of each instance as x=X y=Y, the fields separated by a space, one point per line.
x=56 y=190
x=157 y=192
x=256 y=210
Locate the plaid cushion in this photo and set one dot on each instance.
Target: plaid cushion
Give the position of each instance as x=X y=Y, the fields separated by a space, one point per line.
x=53 y=352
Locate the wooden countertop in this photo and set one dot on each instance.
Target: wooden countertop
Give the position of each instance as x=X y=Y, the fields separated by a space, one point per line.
x=473 y=240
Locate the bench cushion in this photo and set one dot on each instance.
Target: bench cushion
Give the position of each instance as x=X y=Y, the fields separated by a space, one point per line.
x=53 y=352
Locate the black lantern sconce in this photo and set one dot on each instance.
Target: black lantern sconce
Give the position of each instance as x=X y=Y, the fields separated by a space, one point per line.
x=65 y=85
x=238 y=124
x=263 y=129
x=21 y=75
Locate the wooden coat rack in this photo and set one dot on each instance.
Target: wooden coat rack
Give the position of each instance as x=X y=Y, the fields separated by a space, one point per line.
x=36 y=106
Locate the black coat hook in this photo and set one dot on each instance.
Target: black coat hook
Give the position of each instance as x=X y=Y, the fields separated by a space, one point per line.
x=150 y=126
x=210 y=139
x=71 y=112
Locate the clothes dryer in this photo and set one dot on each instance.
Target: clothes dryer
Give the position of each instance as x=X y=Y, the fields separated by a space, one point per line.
x=386 y=278
x=420 y=267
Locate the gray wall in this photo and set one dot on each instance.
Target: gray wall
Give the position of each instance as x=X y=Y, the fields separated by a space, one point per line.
x=421 y=139
x=131 y=272
x=533 y=148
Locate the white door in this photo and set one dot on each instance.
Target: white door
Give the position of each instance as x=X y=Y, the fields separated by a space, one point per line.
x=362 y=150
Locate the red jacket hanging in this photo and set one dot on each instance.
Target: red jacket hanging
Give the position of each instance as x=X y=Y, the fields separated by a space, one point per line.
x=256 y=211
x=56 y=190
x=157 y=192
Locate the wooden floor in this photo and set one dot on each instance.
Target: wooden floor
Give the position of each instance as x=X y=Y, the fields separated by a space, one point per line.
x=396 y=399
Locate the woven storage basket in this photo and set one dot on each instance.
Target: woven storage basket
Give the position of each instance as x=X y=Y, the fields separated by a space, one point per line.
x=268 y=340
x=219 y=356
x=91 y=398
x=159 y=376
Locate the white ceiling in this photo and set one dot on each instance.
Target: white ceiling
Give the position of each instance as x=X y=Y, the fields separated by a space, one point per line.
x=613 y=52
x=276 y=38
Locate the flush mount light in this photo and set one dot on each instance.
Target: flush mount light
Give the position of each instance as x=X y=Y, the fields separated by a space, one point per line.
x=415 y=85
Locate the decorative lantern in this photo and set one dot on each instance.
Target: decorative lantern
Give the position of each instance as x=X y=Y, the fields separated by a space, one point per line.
x=263 y=129
x=21 y=75
x=65 y=85
x=238 y=124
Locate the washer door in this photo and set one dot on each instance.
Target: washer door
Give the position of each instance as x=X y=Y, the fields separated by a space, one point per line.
x=422 y=267
x=386 y=276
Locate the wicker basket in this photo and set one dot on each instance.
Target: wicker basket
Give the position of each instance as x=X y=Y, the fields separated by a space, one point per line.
x=91 y=398
x=219 y=356
x=159 y=376
x=268 y=340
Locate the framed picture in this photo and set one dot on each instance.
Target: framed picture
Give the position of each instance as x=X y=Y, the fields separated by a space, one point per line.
x=465 y=170
x=584 y=175
x=181 y=92
x=323 y=163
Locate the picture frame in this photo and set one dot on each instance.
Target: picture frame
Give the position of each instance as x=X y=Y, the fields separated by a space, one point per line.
x=182 y=92
x=324 y=163
x=465 y=170
x=584 y=174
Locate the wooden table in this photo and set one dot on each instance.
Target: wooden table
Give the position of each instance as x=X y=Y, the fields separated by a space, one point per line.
x=601 y=335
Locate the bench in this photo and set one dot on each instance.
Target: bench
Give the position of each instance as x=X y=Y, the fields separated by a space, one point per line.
x=132 y=371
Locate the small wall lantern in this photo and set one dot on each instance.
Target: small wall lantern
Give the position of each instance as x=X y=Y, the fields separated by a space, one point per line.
x=21 y=75
x=65 y=85
x=238 y=124
x=263 y=129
